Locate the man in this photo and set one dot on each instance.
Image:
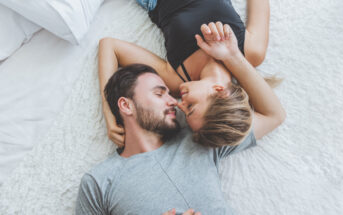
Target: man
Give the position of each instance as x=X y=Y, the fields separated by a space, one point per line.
x=151 y=176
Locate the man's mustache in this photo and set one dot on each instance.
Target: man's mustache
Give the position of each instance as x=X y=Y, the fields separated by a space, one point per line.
x=170 y=110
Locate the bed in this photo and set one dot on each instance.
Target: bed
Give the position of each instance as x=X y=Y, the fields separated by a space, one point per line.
x=52 y=129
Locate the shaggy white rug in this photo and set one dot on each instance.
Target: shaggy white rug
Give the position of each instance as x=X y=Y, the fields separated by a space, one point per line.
x=297 y=169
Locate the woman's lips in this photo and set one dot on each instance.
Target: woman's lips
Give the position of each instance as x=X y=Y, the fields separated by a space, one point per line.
x=183 y=93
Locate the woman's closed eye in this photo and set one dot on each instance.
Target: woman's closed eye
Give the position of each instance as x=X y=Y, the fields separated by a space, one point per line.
x=189 y=107
x=190 y=110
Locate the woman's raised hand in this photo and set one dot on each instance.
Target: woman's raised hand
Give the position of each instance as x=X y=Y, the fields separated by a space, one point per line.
x=219 y=40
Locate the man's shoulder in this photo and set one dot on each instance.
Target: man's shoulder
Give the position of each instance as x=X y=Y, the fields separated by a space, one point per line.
x=107 y=169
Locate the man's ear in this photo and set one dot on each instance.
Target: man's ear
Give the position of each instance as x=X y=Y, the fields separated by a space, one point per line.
x=125 y=106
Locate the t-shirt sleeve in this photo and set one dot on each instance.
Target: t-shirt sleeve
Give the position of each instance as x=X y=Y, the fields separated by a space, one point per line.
x=89 y=199
x=224 y=151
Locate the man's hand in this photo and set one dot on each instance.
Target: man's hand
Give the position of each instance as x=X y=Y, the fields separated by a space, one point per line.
x=116 y=134
x=189 y=212
x=219 y=41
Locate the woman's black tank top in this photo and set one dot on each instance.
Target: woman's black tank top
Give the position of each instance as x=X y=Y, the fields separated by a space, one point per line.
x=180 y=20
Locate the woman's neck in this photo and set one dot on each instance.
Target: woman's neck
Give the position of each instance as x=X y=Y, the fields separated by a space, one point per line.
x=216 y=73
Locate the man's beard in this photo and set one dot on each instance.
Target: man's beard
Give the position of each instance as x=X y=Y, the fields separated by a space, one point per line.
x=150 y=121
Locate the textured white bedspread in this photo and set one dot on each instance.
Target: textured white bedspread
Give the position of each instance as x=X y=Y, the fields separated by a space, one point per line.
x=296 y=170
x=34 y=85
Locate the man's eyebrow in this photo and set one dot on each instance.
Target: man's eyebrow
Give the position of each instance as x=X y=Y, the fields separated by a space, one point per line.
x=163 y=88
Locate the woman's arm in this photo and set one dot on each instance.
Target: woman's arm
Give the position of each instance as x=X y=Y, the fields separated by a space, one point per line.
x=269 y=113
x=257 y=31
x=114 y=53
x=268 y=110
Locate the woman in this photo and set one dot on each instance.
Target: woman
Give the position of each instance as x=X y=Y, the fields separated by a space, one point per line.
x=217 y=110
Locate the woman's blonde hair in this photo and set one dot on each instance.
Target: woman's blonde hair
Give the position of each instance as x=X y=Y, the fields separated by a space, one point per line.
x=228 y=119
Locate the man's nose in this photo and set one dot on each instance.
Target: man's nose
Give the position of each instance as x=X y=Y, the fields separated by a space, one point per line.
x=171 y=101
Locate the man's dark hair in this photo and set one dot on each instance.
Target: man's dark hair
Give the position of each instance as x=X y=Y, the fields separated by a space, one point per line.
x=122 y=84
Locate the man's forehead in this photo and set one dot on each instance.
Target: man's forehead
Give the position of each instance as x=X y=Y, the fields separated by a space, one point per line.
x=149 y=81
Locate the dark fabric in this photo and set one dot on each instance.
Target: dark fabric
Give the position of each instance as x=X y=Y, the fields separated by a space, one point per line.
x=180 y=20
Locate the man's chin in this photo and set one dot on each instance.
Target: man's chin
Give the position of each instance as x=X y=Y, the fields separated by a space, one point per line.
x=172 y=123
x=173 y=128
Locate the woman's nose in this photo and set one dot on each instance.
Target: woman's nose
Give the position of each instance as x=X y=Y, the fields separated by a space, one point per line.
x=182 y=106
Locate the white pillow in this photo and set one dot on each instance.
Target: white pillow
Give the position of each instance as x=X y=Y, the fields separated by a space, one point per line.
x=14 y=31
x=68 y=19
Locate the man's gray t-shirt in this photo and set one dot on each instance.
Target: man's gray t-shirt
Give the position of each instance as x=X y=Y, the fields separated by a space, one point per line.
x=180 y=174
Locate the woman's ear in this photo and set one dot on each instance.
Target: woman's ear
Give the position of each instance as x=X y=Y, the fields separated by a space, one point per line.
x=125 y=106
x=218 y=87
x=221 y=91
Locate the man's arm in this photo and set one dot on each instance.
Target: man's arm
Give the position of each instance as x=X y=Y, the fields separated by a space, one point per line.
x=89 y=198
x=268 y=110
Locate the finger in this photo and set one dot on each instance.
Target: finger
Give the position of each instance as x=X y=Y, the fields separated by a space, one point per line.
x=182 y=107
x=206 y=31
x=167 y=213
x=202 y=44
x=220 y=29
x=189 y=212
x=171 y=212
x=215 y=34
x=118 y=129
x=197 y=213
x=117 y=139
x=227 y=31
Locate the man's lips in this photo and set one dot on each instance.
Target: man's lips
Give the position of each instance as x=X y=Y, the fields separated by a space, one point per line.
x=170 y=112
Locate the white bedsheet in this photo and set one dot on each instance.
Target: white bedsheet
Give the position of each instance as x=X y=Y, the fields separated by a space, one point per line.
x=34 y=85
x=297 y=169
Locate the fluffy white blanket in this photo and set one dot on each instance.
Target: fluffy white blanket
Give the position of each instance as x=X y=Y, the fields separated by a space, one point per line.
x=297 y=169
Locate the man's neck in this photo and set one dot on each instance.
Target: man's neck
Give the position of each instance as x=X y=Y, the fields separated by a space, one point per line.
x=138 y=140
